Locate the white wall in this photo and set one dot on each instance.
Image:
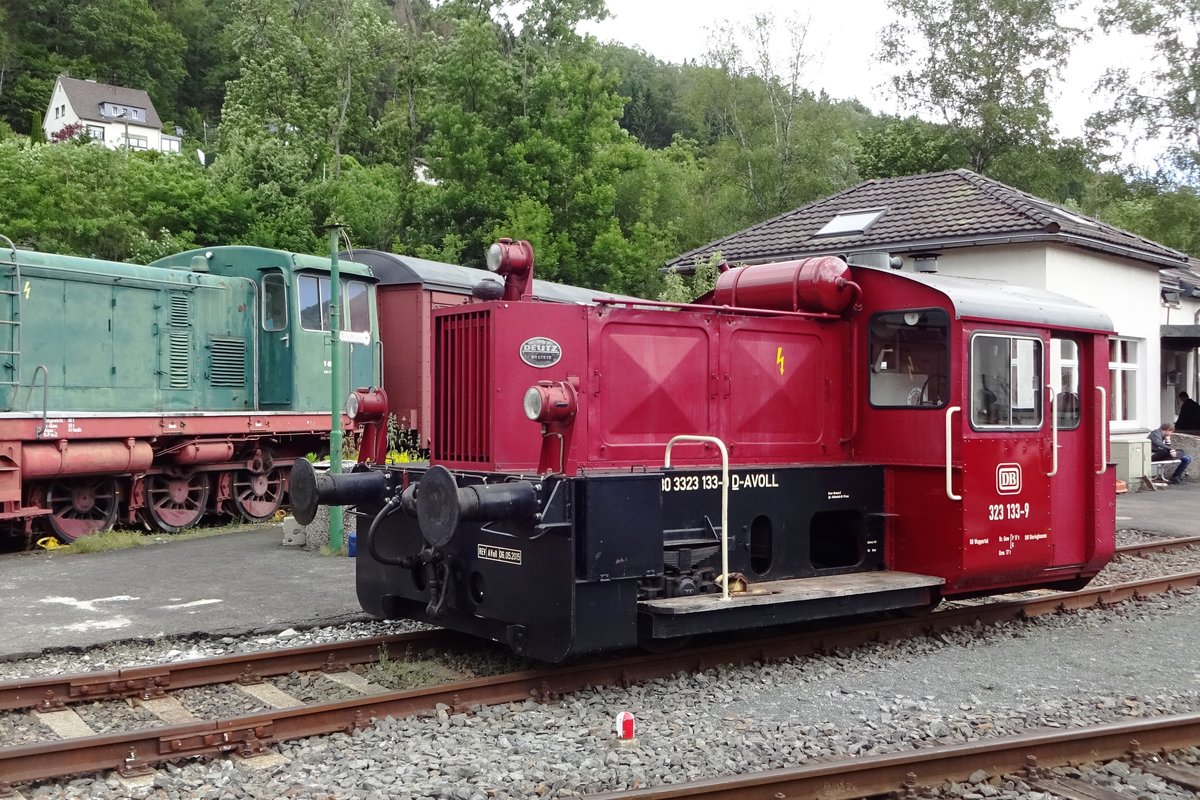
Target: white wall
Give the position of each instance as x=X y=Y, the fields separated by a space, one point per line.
x=50 y=124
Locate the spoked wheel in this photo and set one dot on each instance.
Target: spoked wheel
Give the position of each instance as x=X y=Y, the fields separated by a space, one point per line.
x=258 y=496
x=176 y=502
x=81 y=506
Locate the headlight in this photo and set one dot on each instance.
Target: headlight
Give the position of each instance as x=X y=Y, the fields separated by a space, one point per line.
x=495 y=257
x=534 y=403
x=352 y=405
x=550 y=401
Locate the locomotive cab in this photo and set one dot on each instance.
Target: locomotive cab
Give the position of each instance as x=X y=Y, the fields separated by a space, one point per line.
x=814 y=440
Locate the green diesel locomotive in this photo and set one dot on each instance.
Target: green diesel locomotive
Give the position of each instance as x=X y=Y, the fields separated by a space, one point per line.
x=161 y=393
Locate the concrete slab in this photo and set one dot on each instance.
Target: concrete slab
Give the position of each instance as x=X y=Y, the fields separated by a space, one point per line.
x=1174 y=510
x=225 y=585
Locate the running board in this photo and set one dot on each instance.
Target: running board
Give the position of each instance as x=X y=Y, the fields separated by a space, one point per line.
x=787 y=601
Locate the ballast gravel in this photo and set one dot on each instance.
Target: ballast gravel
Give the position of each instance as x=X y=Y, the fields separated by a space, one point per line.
x=1131 y=660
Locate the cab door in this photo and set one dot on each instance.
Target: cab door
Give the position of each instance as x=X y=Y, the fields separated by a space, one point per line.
x=1006 y=489
x=275 y=359
x=1076 y=379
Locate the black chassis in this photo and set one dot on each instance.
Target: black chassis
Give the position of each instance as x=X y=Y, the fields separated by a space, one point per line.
x=568 y=580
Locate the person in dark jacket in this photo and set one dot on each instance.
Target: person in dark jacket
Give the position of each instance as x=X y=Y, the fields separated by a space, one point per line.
x=1189 y=414
x=1161 y=449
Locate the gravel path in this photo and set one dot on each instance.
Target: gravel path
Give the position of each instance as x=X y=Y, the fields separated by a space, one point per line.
x=1133 y=660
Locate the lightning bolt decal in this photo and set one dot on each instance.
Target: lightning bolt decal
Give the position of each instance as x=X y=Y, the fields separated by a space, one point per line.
x=779 y=359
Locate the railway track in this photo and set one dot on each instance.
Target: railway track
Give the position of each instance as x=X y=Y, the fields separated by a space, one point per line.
x=134 y=752
x=1029 y=756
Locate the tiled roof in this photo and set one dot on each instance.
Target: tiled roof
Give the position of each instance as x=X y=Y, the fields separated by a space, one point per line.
x=86 y=98
x=932 y=212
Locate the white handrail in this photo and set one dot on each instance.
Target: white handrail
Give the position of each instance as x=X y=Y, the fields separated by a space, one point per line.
x=1054 y=433
x=1103 y=435
x=950 y=412
x=724 y=497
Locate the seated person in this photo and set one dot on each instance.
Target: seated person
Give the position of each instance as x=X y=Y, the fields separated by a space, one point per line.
x=1189 y=414
x=1162 y=450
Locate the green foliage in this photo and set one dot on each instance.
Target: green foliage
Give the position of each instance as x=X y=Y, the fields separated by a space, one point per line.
x=680 y=288
x=984 y=69
x=435 y=128
x=1160 y=102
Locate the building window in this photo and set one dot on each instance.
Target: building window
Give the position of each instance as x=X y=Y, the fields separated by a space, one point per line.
x=1123 y=356
x=134 y=142
x=56 y=112
x=95 y=132
x=169 y=145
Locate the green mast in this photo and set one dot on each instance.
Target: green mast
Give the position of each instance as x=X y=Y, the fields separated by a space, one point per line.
x=335 y=366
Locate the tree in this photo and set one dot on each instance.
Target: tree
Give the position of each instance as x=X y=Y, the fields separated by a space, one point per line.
x=981 y=68
x=891 y=148
x=1161 y=102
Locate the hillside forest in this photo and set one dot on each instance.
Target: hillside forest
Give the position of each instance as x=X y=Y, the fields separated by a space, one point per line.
x=432 y=128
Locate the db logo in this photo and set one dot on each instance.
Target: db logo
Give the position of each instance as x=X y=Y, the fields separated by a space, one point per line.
x=1008 y=478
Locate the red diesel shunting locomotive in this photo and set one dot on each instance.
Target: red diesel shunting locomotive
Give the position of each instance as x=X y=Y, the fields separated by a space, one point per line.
x=811 y=440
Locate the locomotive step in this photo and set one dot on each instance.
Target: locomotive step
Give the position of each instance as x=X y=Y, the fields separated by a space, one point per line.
x=787 y=601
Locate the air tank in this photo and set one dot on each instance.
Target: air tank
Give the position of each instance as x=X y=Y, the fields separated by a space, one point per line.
x=817 y=285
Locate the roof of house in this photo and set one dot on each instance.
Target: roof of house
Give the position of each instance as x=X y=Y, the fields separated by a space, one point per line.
x=86 y=97
x=927 y=213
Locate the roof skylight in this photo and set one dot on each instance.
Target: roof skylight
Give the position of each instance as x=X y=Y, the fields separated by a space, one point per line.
x=850 y=222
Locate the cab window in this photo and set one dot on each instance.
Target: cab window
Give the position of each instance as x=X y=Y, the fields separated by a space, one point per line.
x=358 y=307
x=314 y=304
x=1064 y=381
x=910 y=363
x=1006 y=381
x=274 y=302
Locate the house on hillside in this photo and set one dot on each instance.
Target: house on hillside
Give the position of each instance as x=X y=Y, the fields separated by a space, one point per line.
x=963 y=224
x=113 y=115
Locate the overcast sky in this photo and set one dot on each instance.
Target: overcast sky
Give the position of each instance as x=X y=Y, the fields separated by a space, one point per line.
x=842 y=37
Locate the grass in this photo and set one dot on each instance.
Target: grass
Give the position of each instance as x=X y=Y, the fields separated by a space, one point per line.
x=124 y=539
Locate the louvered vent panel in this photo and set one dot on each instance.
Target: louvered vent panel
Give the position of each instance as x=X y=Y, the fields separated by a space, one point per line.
x=179 y=313
x=179 y=349
x=462 y=411
x=228 y=362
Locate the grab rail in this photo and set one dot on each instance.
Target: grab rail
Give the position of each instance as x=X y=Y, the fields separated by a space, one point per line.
x=950 y=412
x=683 y=437
x=1103 y=436
x=1054 y=433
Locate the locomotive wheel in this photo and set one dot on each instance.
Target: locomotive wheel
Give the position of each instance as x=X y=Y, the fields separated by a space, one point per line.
x=175 y=502
x=81 y=507
x=258 y=496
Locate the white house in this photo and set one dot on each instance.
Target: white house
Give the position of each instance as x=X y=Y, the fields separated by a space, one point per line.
x=114 y=115
x=961 y=223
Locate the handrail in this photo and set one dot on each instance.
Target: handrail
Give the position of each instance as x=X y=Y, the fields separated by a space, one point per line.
x=1054 y=433
x=40 y=368
x=683 y=437
x=1103 y=435
x=950 y=412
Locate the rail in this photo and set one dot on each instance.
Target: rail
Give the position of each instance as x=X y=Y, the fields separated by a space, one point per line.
x=683 y=437
x=250 y=733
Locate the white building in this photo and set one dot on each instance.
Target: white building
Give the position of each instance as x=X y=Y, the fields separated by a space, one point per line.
x=961 y=223
x=114 y=115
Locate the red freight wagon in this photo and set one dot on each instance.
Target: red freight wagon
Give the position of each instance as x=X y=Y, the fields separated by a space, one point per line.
x=810 y=440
